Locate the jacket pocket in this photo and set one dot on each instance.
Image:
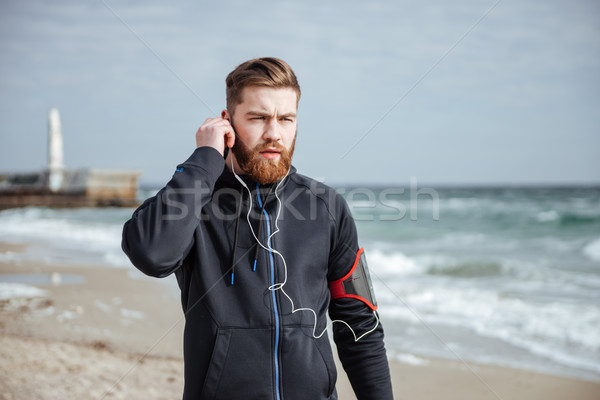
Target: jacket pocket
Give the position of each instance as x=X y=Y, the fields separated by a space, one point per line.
x=240 y=366
x=308 y=368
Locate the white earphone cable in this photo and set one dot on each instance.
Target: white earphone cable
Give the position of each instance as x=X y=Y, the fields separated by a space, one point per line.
x=280 y=286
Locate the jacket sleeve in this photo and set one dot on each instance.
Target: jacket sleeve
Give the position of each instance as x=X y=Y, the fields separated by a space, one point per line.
x=364 y=361
x=161 y=231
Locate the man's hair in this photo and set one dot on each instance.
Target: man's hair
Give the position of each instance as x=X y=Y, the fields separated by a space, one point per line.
x=266 y=72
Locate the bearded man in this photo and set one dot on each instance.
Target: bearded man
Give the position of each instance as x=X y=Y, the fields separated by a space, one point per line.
x=261 y=255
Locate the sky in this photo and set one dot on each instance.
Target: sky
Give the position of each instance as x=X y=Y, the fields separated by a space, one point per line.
x=466 y=92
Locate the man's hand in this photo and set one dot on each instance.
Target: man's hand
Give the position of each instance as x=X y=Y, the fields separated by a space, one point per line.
x=216 y=133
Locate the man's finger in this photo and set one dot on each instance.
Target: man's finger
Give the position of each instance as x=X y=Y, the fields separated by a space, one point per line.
x=229 y=138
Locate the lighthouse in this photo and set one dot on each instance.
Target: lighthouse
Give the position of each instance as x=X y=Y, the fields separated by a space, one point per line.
x=55 y=151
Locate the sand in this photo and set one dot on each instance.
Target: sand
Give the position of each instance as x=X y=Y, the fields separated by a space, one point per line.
x=118 y=335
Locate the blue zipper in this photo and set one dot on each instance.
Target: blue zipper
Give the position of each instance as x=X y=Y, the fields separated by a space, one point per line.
x=272 y=261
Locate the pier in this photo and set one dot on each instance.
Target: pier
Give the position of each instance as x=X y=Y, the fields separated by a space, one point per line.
x=59 y=186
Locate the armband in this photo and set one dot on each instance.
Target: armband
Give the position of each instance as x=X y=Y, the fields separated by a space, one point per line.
x=356 y=284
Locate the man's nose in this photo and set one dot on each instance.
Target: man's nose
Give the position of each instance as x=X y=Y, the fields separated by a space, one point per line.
x=272 y=131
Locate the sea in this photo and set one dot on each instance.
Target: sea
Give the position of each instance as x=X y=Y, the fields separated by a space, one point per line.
x=506 y=275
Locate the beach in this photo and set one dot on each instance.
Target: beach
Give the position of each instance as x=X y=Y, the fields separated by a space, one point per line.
x=96 y=332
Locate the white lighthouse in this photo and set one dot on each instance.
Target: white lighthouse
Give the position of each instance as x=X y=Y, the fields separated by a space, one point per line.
x=55 y=151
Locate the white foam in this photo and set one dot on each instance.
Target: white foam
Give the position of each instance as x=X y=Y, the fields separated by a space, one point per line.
x=10 y=256
x=44 y=312
x=62 y=231
x=410 y=359
x=102 y=306
x=592 y=250
x=461 y=204
x=393 y=263
x=547 y=216
x=116 y=259
x=19 y=290
x=67 y=315
x=132 y=314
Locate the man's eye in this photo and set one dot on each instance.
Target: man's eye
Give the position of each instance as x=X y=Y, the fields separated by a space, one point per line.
x=257 y=118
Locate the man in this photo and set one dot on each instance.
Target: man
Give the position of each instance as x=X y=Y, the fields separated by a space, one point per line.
x=261 y=254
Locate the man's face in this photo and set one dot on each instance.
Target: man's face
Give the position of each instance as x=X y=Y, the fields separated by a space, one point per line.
x=265 y=126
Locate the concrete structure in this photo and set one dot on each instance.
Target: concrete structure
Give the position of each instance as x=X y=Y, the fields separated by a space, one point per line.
x=59 y=186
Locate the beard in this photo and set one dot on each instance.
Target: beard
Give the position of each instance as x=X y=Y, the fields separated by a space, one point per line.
x=257 y=167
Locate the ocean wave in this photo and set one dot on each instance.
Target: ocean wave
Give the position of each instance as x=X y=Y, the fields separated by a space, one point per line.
x=564 y=332
x=395 y=263
x=34 y=224
x=468 y=269
x=568 y=218
x=88 y=236
x=547 y=311
x=547 y=216
x=407 y=358
x=529 y=274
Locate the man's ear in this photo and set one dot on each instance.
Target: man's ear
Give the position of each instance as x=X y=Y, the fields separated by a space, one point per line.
x=225 y=115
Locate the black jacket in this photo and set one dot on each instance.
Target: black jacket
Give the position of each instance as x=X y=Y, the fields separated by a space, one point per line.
x=241 y=339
